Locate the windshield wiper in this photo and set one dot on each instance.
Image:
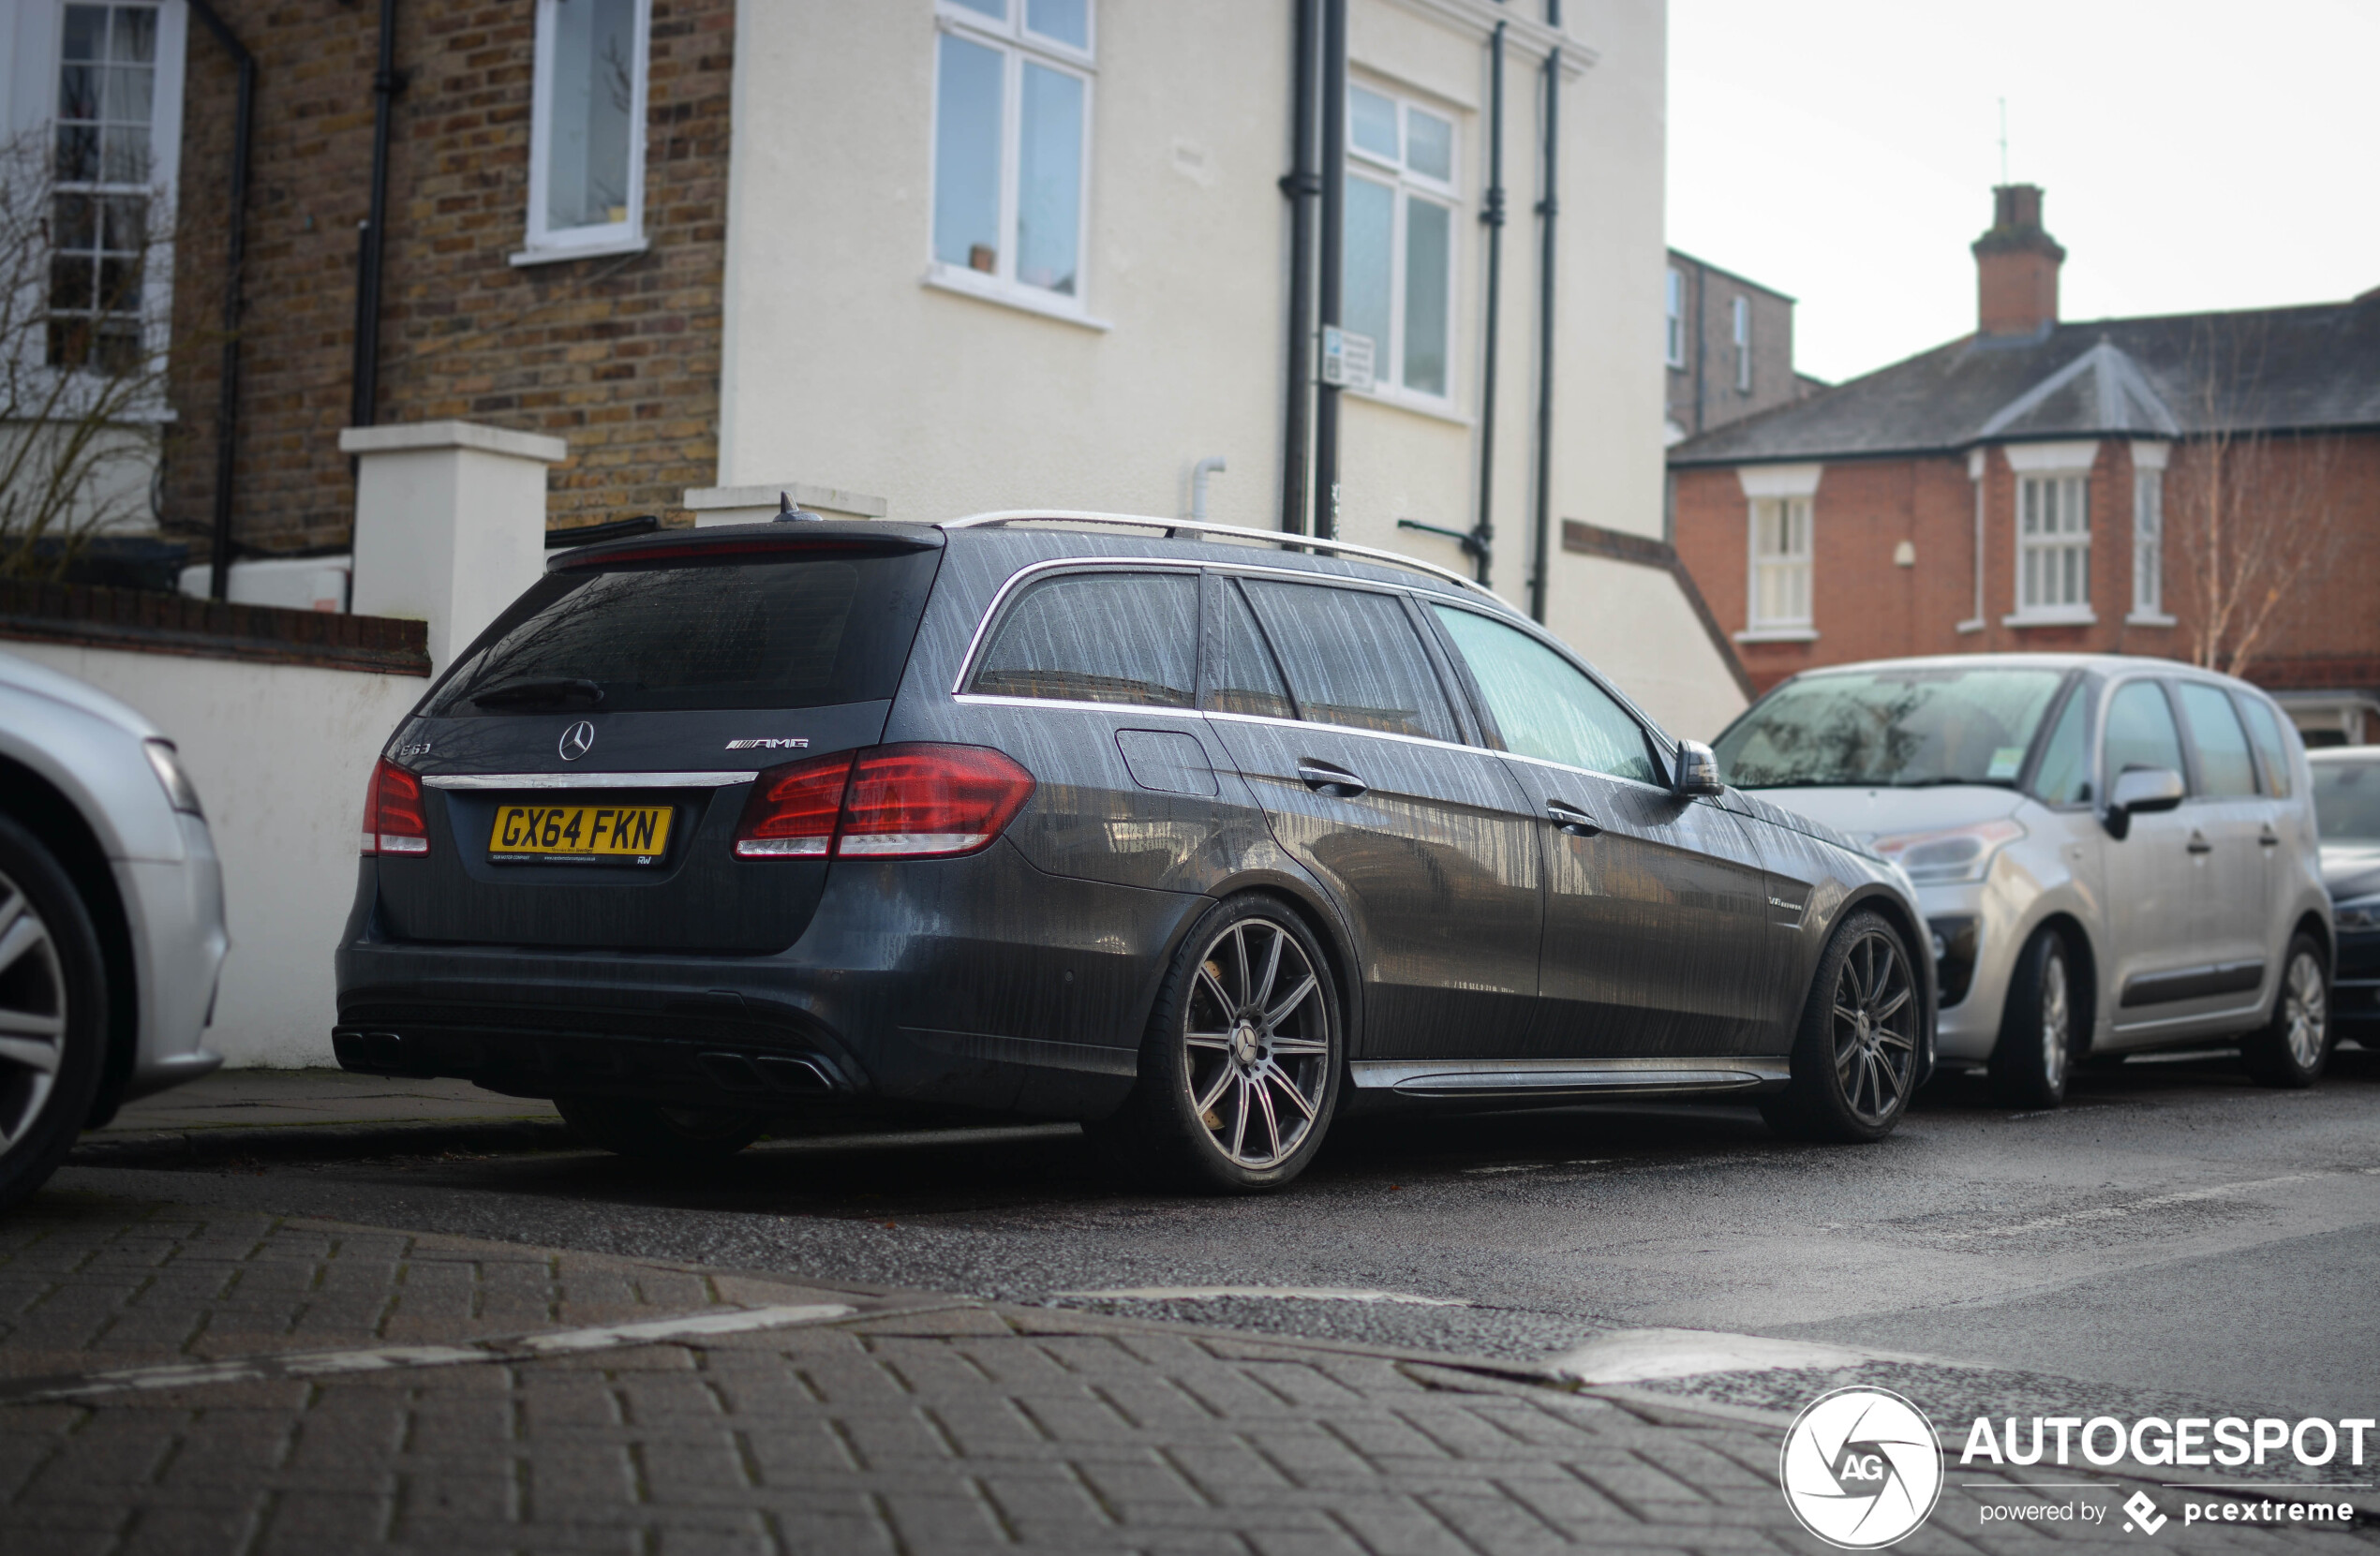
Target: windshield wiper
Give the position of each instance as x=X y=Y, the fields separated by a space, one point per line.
x=541 y=692
x=1953 y=777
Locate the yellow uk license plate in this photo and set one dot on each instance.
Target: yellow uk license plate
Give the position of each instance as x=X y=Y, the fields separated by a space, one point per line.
x=601 y=834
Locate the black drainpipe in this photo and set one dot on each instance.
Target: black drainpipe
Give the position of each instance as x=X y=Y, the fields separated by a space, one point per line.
x=1484 y=532
x=1547 y=208
x=1302 y=185
x=366 y=371
x=227 y=414
x=1334 y=181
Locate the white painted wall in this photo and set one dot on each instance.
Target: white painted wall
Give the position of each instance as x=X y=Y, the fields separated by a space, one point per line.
x=280 y=754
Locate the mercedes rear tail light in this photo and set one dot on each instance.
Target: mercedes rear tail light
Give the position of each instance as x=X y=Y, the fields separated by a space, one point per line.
x=888 y=802
x=393 y=818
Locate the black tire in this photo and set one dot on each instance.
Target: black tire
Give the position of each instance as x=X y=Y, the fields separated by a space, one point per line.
x=656 y=1134
x=1246 y=1034
x=2293 y=1047
x=53 y=1013
x=2036 y=1048
x=1856 y=1057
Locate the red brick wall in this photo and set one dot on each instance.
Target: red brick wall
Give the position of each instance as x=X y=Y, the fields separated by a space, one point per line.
x=618 y=355
x=2327 y=633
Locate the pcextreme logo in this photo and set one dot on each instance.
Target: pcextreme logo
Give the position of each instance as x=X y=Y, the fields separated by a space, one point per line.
x=1861 y=1468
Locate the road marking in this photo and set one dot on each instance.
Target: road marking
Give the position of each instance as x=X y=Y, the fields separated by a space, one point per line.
x=384 y=1358
x=1537 y=1166
x=1642 y=1355
x=1286 y=1293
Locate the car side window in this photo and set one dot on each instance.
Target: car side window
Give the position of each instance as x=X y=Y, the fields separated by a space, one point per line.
x=1542 y=706
x=1352 y=658
x=1244 y=678
x=2226 y=770
x=1099 y=637
x=2140 y=730
x=2063 y=777
x=2272 y=751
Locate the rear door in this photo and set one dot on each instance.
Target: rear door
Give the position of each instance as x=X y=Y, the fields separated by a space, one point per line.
x=1336 y=713
x=1656 y=927
x=2230 y=819
x=646 y=687
x=2157 y=875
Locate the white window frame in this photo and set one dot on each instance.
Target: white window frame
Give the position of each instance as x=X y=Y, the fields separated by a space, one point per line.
x=2064 y=468
x=2148 y=537
x=1797 y=512
x=1743 y=323
x=1388 y=382
x=1016 y=45
x=1674 y=309
x=547 y=245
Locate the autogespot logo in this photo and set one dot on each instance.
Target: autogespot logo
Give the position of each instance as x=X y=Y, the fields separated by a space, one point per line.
x=1861 y=1468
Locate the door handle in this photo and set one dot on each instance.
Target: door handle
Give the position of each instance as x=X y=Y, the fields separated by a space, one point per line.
x=2198 y=843
x=1324 y=778
x=2268 y=838
x=1570 y=819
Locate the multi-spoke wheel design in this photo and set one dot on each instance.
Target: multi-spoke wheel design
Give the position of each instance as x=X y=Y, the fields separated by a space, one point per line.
x=2292 y=1048
x=32 y=1016
x=1256 y=1033
x=2305 y=1009
x=1875 y=1027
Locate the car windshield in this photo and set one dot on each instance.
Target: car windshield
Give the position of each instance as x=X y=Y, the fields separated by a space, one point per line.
x=1890 y=728
x=2347 y=801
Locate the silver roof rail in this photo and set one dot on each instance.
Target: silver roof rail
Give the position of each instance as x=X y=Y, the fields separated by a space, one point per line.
x=1198 y=527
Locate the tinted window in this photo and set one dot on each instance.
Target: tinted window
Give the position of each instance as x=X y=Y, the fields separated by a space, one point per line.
x=2065 y=775
x=1353 y=658
x=1244 y=678
x=2272 y=751
x=2140 y=730
x=2347 y=801
x=804 y=632
x=2226 y=770
x=1899 y=727
x=1542 y=706
x=1099 y=637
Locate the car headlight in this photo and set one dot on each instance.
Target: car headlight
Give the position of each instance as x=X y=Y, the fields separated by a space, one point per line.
x=1950 y=854
x=2356 y=912
x=179 y=791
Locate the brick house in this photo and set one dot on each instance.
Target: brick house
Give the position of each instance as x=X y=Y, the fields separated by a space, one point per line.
x=2129 y=486
x=1728 y=344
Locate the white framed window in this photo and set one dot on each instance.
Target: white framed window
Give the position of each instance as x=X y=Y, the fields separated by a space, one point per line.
x=1012 y=149
x=587 y=129
x=1675 y=309
x=2148 y=536
x=1397 y=263
x=2053 y=547
x=118 y=80
x=1780 y=572
x=1743 y=326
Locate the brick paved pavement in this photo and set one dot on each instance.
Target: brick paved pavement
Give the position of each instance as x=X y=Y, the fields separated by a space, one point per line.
x=952 y=1425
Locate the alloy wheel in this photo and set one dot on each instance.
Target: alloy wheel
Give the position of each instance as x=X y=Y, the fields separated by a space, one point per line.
x=32 y=1016
x=1875 y=1023
x=2057 y=1021
x=2306 y=1007
x=1256 y=1032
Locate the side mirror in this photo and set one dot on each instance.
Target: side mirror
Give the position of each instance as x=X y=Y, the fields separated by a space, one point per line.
x=1697 y=771
x=2138 y=791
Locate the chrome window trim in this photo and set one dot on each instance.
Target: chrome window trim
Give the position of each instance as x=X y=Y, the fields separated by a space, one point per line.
x=1350 y=729
x=1023 y=575
x=1196 y=527
x=1590 y=772
x=585 y=781
x=994 y=699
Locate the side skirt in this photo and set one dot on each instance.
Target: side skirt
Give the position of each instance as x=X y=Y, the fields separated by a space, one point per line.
x=1523 y=1077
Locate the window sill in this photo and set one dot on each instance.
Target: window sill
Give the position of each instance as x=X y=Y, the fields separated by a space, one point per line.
x=1779 y=635
x=968 y=283
x=2151 y=619
x=2084 y=617
x=534 y=256
x=1437 y=410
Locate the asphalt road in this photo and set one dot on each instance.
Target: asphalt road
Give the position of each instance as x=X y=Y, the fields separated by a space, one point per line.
x=2174 y=1237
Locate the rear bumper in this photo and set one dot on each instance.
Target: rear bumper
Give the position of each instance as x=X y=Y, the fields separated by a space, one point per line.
x=977 y=983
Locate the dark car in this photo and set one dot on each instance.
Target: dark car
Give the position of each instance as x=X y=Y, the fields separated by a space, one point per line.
x=2346 y=804
x=1197 y=841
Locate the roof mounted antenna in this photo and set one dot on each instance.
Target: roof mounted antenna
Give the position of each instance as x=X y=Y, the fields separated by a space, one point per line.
x=788 y=513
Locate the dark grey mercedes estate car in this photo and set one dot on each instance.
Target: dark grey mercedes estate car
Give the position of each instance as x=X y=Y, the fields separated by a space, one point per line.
x=1197 y=835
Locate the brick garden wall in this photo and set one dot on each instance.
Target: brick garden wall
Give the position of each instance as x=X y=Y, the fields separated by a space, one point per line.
x=618 y=355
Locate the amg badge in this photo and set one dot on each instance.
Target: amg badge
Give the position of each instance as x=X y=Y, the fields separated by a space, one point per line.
x=768 y=745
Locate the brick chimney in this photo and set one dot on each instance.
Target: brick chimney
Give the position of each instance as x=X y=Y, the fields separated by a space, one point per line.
x=2016 y=266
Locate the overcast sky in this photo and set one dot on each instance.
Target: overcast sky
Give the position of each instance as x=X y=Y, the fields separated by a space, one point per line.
x=2193 y=155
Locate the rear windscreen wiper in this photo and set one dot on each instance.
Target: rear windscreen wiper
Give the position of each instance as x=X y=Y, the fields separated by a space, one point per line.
x=542 y=693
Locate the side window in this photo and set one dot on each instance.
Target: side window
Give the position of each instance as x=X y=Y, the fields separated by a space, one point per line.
x=2226 y=770
x=2140 y=730
x=1542 y=706
x=2065 y=775
x=1099 y=637
x=1244 y=678
x=2272 y=751
x=1353 y=658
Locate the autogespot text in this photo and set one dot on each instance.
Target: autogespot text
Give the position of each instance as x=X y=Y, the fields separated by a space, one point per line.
x=2227 y=1442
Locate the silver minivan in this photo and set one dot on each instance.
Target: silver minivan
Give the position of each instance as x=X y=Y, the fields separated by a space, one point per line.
x=2113 y=854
